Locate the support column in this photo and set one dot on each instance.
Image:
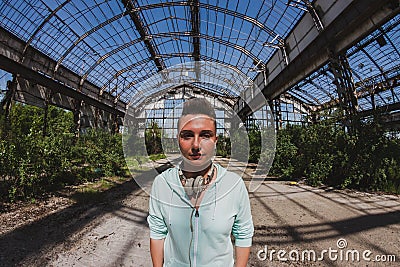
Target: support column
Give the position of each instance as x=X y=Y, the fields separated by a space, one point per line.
x=346 y=90
x=96 y=117
x=278 y=114
x=247 y=121
x=314 y=117
x=48 y=96
x=270 y=121
x=373 y=103
x=115 y=124
x=6 y=105
x=77 y=117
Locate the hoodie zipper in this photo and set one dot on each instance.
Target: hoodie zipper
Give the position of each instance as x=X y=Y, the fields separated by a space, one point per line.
x=196 y=233
x=196 y=237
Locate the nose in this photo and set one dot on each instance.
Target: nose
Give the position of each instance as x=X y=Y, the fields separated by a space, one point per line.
x=196 y=144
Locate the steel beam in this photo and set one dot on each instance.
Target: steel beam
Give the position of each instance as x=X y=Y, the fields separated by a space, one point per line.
x=368 y=87
x=226 y=100
x=39 y=67
x=215 y=8
x=143 y=33
x=36 y=77
x=195 y=21
x=345 y=22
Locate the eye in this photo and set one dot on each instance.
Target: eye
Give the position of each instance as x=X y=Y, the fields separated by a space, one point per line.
x=186 y=135
x=206 y=135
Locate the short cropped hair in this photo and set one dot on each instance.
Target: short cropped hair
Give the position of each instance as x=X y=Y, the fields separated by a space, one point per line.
x=199 y=106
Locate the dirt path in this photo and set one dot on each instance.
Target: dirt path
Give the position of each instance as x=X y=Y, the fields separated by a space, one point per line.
x=296 y=219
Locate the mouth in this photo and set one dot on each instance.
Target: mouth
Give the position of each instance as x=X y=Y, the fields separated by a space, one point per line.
x=195 y=156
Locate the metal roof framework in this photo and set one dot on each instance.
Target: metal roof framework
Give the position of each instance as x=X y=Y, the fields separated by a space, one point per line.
x=375 y=65
x=117 y=45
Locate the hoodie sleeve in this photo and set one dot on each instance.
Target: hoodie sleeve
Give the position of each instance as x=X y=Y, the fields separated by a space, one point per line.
x=243 y=228
x=158 y=228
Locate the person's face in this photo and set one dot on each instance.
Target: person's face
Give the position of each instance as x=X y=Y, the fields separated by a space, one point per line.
x=197 y=139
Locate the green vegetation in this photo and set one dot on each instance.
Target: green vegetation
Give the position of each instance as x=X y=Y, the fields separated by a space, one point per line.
x=32 y=163
x=153 y=139
x=94 y=191
x=325 y=154
x=223 y=146
x=155 y=157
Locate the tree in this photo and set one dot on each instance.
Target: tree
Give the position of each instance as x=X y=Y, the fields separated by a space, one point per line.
x=153 y=139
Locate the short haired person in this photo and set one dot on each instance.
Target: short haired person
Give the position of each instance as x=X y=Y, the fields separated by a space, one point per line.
x=193 y=227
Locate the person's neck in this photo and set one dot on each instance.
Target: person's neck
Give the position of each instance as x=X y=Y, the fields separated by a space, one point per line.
x=202 y=170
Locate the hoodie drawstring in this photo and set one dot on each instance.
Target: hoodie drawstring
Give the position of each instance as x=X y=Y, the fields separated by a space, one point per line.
x=170 y=208
x=215 y=200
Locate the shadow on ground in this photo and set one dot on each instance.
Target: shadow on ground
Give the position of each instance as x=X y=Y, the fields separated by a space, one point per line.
x=56 y=228
x=367 y=216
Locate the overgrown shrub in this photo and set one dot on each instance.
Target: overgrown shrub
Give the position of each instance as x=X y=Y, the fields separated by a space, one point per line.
x=246 y=150
x=284 y=163
x=153 y=139
x=223 y=146
x=373 y=159
x=33 y=162
x=326 y=154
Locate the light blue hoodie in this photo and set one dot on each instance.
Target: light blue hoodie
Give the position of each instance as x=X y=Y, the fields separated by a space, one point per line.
x=225 y=209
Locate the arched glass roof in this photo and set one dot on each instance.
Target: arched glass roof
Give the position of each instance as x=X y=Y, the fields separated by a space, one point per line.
x=117 y=44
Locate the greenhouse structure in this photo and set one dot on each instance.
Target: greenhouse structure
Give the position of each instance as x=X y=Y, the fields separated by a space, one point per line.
x=307 y=102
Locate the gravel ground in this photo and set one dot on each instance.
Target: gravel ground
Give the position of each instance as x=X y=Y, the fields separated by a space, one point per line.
x=296 y=219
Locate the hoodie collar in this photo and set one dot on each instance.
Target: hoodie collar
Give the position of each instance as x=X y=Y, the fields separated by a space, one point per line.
x=175 y=184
